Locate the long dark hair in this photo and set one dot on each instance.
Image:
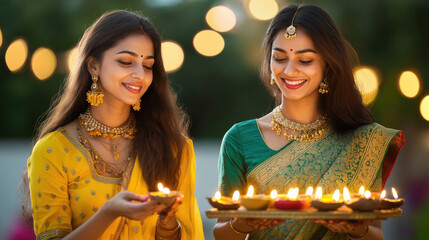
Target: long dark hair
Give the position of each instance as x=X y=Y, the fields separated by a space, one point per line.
x=161 y=125
x=343 y=103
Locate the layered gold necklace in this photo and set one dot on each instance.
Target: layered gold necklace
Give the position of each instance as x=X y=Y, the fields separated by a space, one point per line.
x=99 y=132
x=301 y=132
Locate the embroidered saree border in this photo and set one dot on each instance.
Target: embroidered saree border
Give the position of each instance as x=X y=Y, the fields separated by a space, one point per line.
x=53 y=233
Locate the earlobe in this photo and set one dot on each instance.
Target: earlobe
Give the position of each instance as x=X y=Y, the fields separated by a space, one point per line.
x=92 y=66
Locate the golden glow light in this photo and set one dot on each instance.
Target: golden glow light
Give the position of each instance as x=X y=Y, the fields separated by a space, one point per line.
x=250 y=191
x=1 y=38
x=395 y=194
x=71 y=58
x=319 y=193
x=43 y=63
x=424 y=107
x=409 y=84
x=293 y=193
x=383 y=194
x=336 y=196
x=236 y=196
x=172 y=55
x=221 y=19
x=263 y=9
x=367 y=82
x=273 y=194
x=309 y=191
x=367 y=194
x=361 y=190
x=160 y=187
x=346 y=194
x=16 y=55
x=217 y=196
x=208 y=43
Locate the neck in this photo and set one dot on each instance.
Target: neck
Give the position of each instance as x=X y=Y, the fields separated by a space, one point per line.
x=302 y=111
x=110 y=115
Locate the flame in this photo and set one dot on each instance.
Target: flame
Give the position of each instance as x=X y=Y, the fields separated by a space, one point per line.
x=166 y=191
x=160 y=187
x=367 y=194
x=250 y=191
x=318 y=193
x=362 y=191
x=383 y=194
x=273 y=194
x=236 y=195
x=217 y=196
x=309 y=191
x=336 y=196
x=395 y=194
x=346 y=194
x=293 y=193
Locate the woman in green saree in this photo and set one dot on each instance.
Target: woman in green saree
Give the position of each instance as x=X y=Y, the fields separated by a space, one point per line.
x=321 y=134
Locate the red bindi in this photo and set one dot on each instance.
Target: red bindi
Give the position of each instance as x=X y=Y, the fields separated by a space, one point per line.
x=291 y=50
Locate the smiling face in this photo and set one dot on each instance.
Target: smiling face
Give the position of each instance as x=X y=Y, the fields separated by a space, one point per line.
x=125 y=70
x=296 y=66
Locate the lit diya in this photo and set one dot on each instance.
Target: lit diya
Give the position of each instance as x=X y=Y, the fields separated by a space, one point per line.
x=292 y=201
x=327 y=202
x=164 y=195
x=255 y=202
x=386 y=203
x=224 y=202
x=365 y=202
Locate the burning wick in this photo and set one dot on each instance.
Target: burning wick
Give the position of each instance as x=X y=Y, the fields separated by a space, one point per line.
x=346 y=194
x=235 y=196
x=336 y=196
x=395 y=194
x=309 y=191
x=367 y=194
x=318 y=193
x=383 y=194
x=362 y=191
x=250 y=191
x=273 y=194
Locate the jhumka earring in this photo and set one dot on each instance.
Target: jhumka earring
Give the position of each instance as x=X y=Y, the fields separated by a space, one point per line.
x=136 y=106
x=273 y=80
x=324 y=87
x=94 y=96
x=291 y=30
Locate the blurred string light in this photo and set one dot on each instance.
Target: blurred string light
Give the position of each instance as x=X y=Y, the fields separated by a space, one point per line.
x=1 y=38
x=172 y=56
x=367 y=83
x=409 y=84
x=263 y=9
x=16 y=55
x=71 y=57
x=221 y=19
x=424 y=108
x=43 y=63
x=208 y=43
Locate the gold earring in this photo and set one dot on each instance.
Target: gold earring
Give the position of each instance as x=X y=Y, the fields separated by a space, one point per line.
x=136 y=106
x=324 y=87
x=273 y=81
x=94 y=96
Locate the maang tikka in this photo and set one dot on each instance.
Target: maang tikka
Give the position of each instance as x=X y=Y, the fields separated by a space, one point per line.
x=291 y=30
x=94 y=96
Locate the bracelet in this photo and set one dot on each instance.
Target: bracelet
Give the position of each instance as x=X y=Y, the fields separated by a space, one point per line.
x=170 y=230
x=235 y=230
x=359 y=236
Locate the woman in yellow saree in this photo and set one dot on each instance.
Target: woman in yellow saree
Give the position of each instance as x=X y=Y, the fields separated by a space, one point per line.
x=320 y=135
x=111 y=136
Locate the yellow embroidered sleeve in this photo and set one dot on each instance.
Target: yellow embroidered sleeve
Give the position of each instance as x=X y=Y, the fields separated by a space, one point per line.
x=48 y=189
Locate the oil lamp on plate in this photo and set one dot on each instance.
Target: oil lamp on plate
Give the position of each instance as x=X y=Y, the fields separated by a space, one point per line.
x=364 y=202
x=255 y=202
x=328 y=202
x=292 y=201
x=386 y=203
x=164 y=195
x=224 y=202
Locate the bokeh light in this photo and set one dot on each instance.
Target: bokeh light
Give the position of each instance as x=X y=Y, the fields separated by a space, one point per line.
x=43 y=63
x=221 y=19
x=367 y=82
x=1 y=38
x=263 y=9
x=424 y=108
x=172 y=55
x=16 y=55
x=71 y=56
x=208 y=43
x=409 y=84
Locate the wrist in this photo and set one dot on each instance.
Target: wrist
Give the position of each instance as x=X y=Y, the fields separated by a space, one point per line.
x=358 y=235
x=164 y=232
x=240 y=227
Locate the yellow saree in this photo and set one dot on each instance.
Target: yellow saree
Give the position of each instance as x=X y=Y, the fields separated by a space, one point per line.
x=363 y=157
x=66 y=191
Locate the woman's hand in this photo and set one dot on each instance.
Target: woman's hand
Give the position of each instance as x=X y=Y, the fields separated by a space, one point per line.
x=354 y=228
x=133 y=206
x=167 y=218
x=247 y=225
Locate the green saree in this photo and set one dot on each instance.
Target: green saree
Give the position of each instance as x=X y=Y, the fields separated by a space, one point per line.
x=362 y=157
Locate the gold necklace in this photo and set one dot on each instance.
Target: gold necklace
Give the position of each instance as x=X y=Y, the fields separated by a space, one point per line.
x=99 y=164
x=305 y=132
x=97 y=129
x=112 y=147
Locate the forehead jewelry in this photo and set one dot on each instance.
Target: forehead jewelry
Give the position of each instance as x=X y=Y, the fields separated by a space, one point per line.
x=291 y=30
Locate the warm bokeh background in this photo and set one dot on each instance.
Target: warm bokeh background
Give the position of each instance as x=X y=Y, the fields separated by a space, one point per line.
x=215 y=74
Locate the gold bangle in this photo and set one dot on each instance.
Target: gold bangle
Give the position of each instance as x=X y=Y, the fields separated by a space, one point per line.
x=359 y=236
x=235 y=230
x=171 y=232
